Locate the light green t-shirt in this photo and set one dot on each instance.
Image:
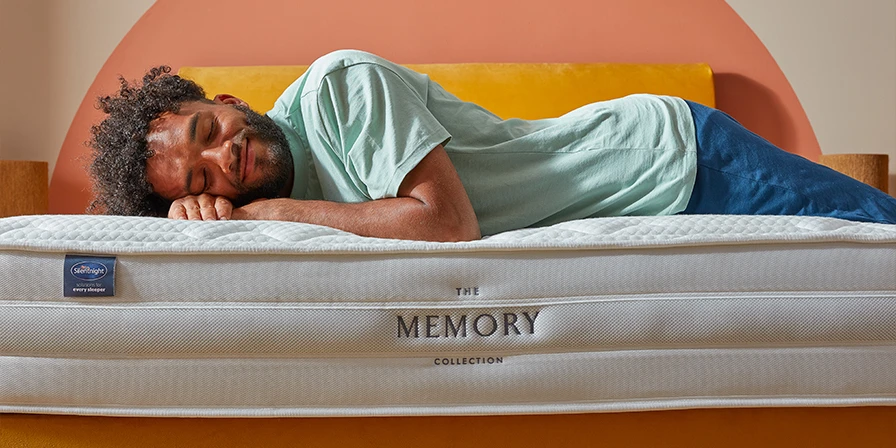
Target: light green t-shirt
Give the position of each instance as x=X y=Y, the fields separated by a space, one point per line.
x=357 y=124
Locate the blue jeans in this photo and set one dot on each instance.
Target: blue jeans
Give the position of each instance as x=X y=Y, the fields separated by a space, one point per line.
x=740 y=173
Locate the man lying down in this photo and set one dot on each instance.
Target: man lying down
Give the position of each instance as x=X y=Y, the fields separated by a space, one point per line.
x=365 y=145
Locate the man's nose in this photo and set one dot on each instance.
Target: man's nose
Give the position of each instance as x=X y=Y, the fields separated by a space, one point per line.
x=223 y=155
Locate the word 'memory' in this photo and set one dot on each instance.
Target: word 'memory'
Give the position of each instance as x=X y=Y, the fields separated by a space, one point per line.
x=485 y=325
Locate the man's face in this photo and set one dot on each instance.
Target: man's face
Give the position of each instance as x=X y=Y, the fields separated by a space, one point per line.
x=221 y=148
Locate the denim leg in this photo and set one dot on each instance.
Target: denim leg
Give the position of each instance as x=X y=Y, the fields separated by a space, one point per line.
x=741 y=173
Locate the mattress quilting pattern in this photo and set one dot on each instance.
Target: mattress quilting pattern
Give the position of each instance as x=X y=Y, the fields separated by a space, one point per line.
x=150 y=235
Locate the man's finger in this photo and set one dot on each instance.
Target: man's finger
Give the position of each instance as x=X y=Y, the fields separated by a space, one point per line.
x=192 y=207
x=223 y=207
x=207 y=207
x=177 y=210
x=208 y=212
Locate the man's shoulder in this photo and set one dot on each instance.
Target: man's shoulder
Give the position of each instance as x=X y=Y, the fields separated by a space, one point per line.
x=345 y=58
x=327 y=67
x=338 y=61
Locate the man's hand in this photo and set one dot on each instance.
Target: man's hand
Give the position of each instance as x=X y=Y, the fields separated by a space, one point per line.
x=204 y=207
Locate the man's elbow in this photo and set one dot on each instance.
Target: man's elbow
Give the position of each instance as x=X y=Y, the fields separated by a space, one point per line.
x=462 y=233
x=452 y=229
x=460 y=228
x=445 y=221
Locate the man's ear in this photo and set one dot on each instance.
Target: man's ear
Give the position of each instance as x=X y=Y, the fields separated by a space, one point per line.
x=225 y=98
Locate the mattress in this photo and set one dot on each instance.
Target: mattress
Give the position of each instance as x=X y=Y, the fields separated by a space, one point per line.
x=263 y=318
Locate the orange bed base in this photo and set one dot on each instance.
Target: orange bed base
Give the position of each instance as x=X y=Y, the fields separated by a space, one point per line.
x=743 y=427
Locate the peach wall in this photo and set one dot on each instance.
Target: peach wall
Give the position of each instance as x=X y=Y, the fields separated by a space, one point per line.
x=750 y=86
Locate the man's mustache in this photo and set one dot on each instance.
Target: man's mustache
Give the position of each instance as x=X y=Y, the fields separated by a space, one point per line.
x=237 y=143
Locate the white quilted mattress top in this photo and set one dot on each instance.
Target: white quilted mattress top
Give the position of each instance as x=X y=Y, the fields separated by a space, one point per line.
x=95 y=234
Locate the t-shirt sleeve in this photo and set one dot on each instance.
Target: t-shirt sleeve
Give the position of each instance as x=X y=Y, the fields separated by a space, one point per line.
x=378 y=125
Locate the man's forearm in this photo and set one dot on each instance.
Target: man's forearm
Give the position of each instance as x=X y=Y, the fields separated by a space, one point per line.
x=402 y=218
x=432 y=205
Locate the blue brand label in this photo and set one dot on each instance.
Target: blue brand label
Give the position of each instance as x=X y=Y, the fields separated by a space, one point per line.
x=87 y=275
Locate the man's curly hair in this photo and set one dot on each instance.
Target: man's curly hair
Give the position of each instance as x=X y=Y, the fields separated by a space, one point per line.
x=119 y=149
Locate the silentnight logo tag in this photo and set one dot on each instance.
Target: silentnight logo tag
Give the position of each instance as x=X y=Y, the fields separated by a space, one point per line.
x=88 y=276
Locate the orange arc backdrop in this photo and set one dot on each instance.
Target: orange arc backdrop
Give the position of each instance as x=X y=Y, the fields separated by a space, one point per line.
x=749 y=84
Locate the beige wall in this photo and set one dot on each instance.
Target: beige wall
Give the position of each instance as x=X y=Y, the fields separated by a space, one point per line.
x=50 y=52
x=840 y=58
x=839 y=55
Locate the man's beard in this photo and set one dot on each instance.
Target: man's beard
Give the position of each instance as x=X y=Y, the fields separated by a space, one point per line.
x=280 y=164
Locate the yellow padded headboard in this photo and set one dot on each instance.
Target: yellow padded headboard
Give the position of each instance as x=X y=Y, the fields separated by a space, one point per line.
x=510 y=90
